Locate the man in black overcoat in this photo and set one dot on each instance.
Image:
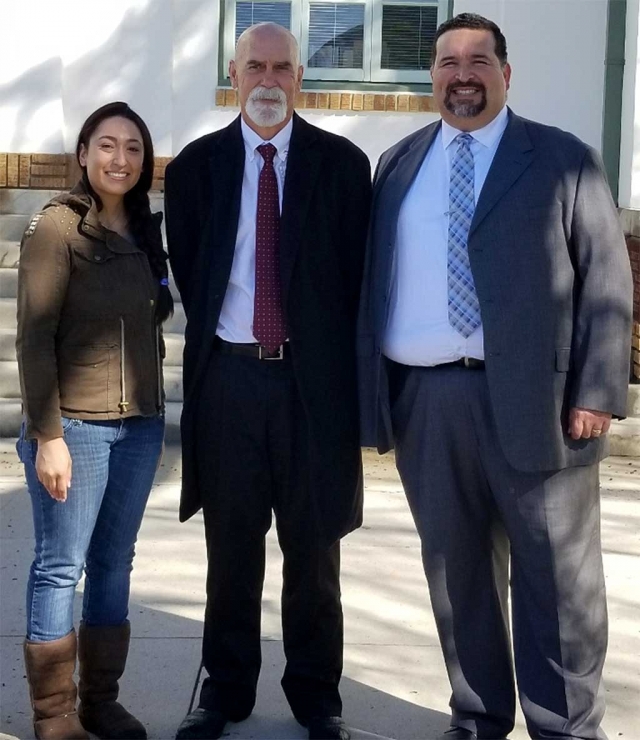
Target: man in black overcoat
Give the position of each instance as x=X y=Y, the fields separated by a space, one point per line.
x=266 y=227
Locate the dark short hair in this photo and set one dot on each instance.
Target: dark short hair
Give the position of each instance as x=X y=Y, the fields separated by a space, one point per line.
x=476 y=23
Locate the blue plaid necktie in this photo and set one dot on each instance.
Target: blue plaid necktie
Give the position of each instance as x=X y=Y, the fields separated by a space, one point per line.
x=464 y=309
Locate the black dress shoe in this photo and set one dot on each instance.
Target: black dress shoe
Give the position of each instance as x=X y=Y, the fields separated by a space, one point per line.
x=458 y=733
x=327 y=728
x=202 y=724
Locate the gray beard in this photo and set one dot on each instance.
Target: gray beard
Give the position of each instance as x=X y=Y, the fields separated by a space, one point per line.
x=464 y=109
x=266 y=116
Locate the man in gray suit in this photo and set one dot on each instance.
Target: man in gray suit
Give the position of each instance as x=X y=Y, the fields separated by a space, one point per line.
x=494 y=342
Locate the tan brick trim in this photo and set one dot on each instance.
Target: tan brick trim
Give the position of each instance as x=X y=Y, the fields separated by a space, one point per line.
x=350 y=101
x=635 y=344
x=633 y=245
x=54 y=171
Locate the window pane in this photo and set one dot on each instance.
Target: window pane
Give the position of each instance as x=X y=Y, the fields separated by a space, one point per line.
x=336 y=35
x=407 y=36
x=249 y=13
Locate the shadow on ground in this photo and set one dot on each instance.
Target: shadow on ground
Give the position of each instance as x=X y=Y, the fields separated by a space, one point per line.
x=394 y=682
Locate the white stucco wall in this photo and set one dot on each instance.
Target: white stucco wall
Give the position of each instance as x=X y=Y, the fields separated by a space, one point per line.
x=60 y=61
x=162 y=57
x=629 y=193
x=557 y=52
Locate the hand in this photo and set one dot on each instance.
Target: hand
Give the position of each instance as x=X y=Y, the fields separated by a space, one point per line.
x=588 y=424
x=53 y=467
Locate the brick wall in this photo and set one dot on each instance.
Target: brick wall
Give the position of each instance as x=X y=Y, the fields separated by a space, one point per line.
x=397 y=102
x=54 y=171
x=633 y=244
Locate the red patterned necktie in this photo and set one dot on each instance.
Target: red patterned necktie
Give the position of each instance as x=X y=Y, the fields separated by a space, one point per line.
x=269 y=326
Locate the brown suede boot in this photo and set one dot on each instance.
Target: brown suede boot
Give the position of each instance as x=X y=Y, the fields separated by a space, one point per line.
x=50 y=667
x=103 y=655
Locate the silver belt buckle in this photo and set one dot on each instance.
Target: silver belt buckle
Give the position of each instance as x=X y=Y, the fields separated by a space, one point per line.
x=279 y=356
x=466 y=362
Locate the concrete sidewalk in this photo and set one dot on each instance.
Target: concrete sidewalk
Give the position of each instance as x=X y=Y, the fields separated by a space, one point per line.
x=394 y=682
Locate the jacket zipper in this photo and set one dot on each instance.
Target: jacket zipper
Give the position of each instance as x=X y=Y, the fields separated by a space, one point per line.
x=123 y=388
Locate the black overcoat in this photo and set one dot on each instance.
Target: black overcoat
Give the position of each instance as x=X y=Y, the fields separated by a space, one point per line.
x=324 y=220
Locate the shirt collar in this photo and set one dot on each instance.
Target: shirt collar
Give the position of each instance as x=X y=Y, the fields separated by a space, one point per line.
x=252 y=141
x=487 y=135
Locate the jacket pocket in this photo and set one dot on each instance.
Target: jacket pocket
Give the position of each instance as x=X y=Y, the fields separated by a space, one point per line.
x=95 y=253
x=563 y=359
x=89 y=378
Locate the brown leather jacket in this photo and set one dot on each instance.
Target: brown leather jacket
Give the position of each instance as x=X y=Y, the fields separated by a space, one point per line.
x=88 y=344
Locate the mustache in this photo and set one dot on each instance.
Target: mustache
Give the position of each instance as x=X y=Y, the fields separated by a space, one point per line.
x=451 y=88
x=267 y=93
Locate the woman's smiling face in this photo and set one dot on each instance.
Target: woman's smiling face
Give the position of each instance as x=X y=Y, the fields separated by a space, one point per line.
x=113 y=157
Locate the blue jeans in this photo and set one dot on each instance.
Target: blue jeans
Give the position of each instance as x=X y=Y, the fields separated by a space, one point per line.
x=114 y=463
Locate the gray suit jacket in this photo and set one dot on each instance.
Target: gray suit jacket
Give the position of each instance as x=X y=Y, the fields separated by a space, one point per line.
x=554 y=283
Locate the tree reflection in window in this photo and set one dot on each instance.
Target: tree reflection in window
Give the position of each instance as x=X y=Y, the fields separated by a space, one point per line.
x=248 y=13
x=336 y=35
x=407 y=36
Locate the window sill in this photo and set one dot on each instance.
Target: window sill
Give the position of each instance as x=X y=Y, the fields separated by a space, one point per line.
x=347 y=101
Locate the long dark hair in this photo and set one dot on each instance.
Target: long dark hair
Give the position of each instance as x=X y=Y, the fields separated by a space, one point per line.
x=144 y=227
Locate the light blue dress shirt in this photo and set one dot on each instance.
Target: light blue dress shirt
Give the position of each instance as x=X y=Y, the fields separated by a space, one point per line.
x=418 y=330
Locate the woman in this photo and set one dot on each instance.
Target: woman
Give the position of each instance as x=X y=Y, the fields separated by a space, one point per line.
x=92 y=295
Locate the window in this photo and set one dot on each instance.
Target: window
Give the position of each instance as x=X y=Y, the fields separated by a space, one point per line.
x=343 y=40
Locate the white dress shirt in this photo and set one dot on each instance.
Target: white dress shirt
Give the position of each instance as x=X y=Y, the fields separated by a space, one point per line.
x=236 y=317
x=418 y=330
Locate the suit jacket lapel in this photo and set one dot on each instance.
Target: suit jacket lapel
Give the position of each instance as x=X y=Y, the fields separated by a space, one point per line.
x=226 y=170
x=514 y=155
x=303 y=169
x=396 y=184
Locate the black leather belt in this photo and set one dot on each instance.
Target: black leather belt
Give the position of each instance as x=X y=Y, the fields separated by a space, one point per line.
x=469 y=362
x=256 y=351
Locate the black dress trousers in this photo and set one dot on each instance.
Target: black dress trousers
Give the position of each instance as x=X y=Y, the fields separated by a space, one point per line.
x=253 y=453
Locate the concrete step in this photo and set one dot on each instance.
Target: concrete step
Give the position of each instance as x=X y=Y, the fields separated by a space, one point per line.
x=9 y=379
x=172 y=422
x=9 y=253
x=177 y=323
x=174 y=344
x=7 y=344
x=174 y=289
x=26 y=202
x=173 y=384
x=10 y=417
x=9 y=273
x=12 y=226
x=8 y=318
x=633 y=400
x=10 y=256
x=10 y=388
x=174 y=341
x=624 y=437
x=8 y=282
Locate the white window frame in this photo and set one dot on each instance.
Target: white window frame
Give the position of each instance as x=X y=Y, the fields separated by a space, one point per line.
x=230 y=26
x=372 y=43
x=331 y=73
x=399 y=75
